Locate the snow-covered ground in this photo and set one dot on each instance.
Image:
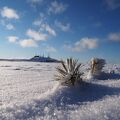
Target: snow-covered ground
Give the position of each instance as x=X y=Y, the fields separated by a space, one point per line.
x=28 y=91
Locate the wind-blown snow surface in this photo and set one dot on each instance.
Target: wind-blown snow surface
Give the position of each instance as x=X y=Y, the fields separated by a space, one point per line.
x=28 y=91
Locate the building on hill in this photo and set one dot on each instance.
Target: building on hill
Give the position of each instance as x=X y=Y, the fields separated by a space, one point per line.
x=38 y=58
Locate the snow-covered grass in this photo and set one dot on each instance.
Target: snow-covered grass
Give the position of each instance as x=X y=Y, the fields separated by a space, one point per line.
x=28 y=91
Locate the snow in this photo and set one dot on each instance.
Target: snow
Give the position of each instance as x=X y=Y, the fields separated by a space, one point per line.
x=28 y=91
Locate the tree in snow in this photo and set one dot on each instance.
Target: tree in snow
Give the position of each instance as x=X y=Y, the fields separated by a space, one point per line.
x=69 y=72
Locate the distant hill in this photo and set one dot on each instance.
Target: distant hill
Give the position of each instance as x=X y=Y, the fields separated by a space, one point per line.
x=34 y=59
x=43 y=59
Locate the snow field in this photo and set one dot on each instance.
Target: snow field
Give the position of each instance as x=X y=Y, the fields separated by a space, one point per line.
x=28 y=91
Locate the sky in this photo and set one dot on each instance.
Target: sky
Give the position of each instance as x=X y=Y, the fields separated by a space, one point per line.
x=81 y=29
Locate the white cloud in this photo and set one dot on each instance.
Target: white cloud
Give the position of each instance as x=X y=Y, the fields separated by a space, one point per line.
x=44 y=27
x=34 y=3
x=23 y=43
x=114 y=37
x=47 y=28
x=50 y=49
x=36 y=35
x=28 y=43
x=83 y=44
x=87 y=43
x=57 y=8
x=10 y=26
x=50 y=30
x=68 y=47
x=12 y=39
x=37 y=22
x=62 y=26
x=9 y=13
x=113 y=4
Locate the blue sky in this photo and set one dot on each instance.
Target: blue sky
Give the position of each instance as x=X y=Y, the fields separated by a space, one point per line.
x=61 y=28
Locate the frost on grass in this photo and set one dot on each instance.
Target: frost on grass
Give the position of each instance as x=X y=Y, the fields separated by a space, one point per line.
x=96 y=68
x=69 y=73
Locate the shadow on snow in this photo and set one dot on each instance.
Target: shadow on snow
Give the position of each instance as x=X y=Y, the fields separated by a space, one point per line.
x=61 y=99
x=106 y=76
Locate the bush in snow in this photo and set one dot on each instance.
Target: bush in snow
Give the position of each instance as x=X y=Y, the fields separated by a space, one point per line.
x=96 y=67
x=69 y=73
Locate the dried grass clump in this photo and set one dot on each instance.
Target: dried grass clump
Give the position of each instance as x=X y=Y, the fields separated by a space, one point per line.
x=97 y=66
x=69 y=72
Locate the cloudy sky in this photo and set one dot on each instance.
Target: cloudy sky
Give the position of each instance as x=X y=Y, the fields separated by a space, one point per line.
x=61 y=28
